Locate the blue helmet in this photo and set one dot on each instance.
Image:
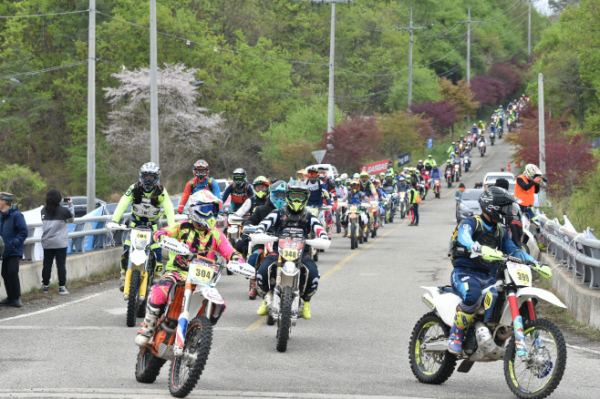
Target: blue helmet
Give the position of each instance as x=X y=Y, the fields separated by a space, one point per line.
x=277 y=194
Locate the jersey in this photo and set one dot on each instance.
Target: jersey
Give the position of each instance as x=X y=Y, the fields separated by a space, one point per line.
x=146 y=206
x=194 y=186
x=238 y=197
x=318 y=194
x=341 y=193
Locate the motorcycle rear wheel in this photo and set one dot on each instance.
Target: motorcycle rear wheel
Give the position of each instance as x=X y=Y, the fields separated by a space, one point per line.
x=338 y=223
x=551 y=372
x=422 y=365
x=148 y=366
x=352 y=235
x=285 y=321
x=184 y=374
x=133 y=300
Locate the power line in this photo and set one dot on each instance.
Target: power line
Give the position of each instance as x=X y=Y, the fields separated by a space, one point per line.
x=515 y=5
x=566 y=85
x=42 y=15
x=44 y=70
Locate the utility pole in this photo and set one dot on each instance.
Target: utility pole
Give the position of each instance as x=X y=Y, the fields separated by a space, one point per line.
x=410 y=56
x=529 y=34
x=91 y=116
x=154 y=157
x=542 y=140
x=469 y=22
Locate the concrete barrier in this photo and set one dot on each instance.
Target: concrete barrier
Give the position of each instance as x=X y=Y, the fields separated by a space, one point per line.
x=582 y=303
x=78 y=267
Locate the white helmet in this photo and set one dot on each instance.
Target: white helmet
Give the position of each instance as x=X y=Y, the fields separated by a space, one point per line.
x=531 y=171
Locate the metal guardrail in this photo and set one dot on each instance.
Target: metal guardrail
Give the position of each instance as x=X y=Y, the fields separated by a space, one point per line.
x=102 y=237
x=579 y=254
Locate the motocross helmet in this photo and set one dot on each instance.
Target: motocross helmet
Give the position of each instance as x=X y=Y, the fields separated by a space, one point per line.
x=313 y=174
x=240 y=178
x=338 y=182
x=277 y=194
x=356 y=176
x=149 y=176
x=365 y=178
x=204 y=208
x=531 y=171
x=261 y=181
x=388 y=177
x=420 y=161
x=497 y=203
x=354 y=185
x=429 y=156
x=201 y=170
x=344 y=176
x=376 y=183
x=322 y=173
x=296 y=195
x=301 y=174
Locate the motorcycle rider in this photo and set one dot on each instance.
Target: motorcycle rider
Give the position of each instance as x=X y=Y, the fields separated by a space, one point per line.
x=261 y=194
x=301 y=174
x=430 y=163
x=198 y=233
x=382 y=194
x=481 y=126
x=325 y=179
x=528 y=184
x=475 y=130
x=355 y=197
x=366 y=186
x=319 y=194
x=471 y=275
x=483 y=140
x=147 y=196
x=420 y=166
x=201 y=181
x=512 y=222
x=292 y=214
x=239 y=190
x=452 y=149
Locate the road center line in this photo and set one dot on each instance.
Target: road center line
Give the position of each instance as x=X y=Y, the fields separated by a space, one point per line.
x=56 y=307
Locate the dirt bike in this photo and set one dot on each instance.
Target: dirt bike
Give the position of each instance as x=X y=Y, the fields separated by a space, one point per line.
x=500 y=132
x=354 y=230
x=402 y=203
x=339 y=212
x=449 y=178
x=284 y=299
x=492 y=137
x=372 y=208
x=234 y=225
x=457 y=172
x=481 y=148
x=467 y=163
x=505 y=328
x=183 y=333
x=437 y=188
x=140 y=270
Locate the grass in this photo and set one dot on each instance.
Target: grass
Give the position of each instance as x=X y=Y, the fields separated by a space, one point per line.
x=560 y=316
x=92 y=279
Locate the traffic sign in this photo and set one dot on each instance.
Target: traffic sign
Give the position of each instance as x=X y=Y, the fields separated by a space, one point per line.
x=319 y=155
x=404 y=159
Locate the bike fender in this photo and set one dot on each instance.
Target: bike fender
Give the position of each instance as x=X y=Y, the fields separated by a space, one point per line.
x=523 y=294
x=289 y=269
x=211 y=294
x=445 y=304
x=138 y=258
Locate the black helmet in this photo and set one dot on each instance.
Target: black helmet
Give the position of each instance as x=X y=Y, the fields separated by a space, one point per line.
x=496 y=202
x=313 y=174
x=239 y=178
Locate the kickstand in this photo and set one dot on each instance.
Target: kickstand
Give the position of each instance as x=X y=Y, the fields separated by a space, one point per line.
x=465 y=366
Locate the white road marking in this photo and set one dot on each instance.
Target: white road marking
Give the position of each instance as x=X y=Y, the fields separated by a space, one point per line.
x=56 y=307
x=50 y=328
x=107 y=393
x=577 y=348
x=116 y=311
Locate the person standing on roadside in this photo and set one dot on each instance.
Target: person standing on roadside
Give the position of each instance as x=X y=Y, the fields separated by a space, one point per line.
x=414 y=200
x=13 y=230
x=55 y=239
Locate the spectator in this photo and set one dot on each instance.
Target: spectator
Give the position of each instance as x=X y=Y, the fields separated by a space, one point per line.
x=13 y=230
x=414 y=201
x=55 y=239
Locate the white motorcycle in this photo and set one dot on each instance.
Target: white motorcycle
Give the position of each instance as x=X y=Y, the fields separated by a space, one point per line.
x=284 y=299
x=505 y=328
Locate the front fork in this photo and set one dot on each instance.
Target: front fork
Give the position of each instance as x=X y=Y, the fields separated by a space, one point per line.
x=143 y=282
x=518 y=325
x=183 y=320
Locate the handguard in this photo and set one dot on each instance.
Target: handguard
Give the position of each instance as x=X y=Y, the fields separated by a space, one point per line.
x=115 y=226
x=175 y=246
x=544 y=270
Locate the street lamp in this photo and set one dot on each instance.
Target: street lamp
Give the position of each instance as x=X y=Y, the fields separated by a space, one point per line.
x=199 y=84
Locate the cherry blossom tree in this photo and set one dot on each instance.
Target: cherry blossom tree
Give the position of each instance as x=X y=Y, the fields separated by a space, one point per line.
x=185 y=129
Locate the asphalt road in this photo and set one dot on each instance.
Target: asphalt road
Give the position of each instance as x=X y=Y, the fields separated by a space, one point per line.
x=355 y=346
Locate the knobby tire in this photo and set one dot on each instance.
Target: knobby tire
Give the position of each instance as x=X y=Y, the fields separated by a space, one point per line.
x=285 y=321
x=148 y=366
x=133 y=300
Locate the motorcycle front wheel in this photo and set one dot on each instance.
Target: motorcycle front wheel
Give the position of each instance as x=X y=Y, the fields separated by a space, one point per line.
x=338 y=223
x=352 y=235
x=186 y=370
x=133 y=300
x=148 y=366
x=430 y=368
x=285 y=321
x=539 y=376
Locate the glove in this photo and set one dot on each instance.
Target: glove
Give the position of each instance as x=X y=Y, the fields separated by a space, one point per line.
x=113 y=226
x=179 y=212
x=476 y=247
x=544 y=270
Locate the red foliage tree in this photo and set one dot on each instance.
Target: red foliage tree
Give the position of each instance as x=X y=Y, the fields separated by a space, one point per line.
x=509 y=75
x=441 y=113
x=568 y=160
x=488 y=90
x=352 y=141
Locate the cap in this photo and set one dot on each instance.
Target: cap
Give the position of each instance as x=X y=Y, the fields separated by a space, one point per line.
x=8 y=197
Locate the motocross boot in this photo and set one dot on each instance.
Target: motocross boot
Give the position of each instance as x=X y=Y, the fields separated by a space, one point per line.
x=122 y=284
x=457 y=333
x=262 y=310
x=148 y=326
x=252 y=294
x=345 y=231
x=306 y=311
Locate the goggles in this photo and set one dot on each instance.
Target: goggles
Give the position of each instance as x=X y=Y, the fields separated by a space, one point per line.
x=206 y=211
x=279 y=195
x=239 y=179
x=313 y=174
x=297 y=196
x=149 y=178
x=261 y=187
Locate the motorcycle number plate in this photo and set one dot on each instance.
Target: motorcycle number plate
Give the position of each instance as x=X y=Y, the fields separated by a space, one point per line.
x=201 y=274
x=519 y=273
x=353 y=209
x=290 y=254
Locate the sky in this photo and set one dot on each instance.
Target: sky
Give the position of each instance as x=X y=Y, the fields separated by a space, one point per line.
x=542 y=7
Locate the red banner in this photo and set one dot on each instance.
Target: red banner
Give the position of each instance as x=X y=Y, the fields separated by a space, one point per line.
x=376 y=168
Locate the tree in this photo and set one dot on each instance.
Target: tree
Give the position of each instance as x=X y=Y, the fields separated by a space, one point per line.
x=488 y=90
x=441 y=113
x=461 y=95
x=185 y=130
x=403 y=132
x=351 y=143
x=25 y=185
x=509 y=75
x=559 y=6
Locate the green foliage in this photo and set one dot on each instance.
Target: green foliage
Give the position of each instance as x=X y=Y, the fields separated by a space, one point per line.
x=27 y=186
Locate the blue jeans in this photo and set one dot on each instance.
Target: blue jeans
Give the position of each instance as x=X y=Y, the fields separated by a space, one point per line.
x=415 y=209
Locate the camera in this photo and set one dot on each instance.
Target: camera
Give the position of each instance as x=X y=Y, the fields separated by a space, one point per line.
x=66 y=199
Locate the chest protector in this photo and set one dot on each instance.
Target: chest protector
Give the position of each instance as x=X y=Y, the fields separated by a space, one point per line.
x=206 y=185
x=299 y=220
x=491 y=238
x=146 y=208
x=316 y=194
x=239 y=197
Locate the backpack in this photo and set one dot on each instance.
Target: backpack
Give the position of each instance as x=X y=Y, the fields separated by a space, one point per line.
x=458 y=251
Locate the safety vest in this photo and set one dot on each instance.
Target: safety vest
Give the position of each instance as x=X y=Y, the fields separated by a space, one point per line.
x=526 y=196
